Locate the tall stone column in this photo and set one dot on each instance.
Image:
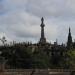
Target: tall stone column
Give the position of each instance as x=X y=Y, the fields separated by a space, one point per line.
x=42 y=39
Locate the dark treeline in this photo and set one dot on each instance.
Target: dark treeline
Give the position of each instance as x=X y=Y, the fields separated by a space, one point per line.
x=29 y=56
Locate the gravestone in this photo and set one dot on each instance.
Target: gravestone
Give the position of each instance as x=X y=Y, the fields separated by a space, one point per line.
x=2 y=64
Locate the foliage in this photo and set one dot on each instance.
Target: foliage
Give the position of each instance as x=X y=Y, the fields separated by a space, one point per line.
x=71 y=58
x=25 y=56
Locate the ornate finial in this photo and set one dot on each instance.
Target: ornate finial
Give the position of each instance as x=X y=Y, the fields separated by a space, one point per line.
x=42 y=19
x=69 y=29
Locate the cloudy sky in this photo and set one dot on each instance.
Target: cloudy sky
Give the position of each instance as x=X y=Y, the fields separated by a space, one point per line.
x=20 y=19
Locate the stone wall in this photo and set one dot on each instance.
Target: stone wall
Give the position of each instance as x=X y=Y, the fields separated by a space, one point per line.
x=36 y=72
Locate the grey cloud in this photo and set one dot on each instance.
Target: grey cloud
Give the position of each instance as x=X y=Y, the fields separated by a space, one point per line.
x=21 y=19
x=52 y=8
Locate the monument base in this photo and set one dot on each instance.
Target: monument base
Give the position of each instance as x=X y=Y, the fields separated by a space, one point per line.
x=42 y=41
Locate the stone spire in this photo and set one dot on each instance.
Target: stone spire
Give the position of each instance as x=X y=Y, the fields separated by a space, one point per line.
x=42 y=39
x=69 y=42
x=42 y=28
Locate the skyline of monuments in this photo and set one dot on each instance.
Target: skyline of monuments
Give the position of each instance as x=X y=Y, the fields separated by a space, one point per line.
x=20 y=24
x=43 y=39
